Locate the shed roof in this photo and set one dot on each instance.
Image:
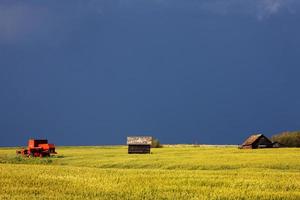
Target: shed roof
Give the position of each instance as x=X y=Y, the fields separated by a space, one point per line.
x=139 y=140
x=250 y=140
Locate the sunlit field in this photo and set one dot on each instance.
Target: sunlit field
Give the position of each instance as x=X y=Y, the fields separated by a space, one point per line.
x=177 y=172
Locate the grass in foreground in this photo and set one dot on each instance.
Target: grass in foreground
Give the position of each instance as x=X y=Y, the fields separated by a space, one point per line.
x=168 y=173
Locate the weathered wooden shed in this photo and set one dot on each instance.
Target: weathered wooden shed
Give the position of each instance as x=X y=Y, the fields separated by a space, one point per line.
x=139 y=144
x=257 y=141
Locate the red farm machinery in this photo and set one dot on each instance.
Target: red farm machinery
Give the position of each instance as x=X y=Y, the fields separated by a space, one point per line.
x=38 y=148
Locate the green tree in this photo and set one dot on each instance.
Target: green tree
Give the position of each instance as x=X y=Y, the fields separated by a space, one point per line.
x=288 y=138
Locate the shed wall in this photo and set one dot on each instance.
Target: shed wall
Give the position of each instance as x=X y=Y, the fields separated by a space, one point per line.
x=139 y=149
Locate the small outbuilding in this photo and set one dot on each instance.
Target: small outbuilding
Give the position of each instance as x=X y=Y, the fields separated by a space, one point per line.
x=257 y=141
x=277 y=145
x=139 y=144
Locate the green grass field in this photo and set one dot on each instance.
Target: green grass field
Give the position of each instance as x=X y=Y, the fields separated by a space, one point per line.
x=179 y=172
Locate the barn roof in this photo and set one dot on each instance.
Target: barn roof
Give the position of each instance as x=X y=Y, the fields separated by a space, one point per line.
x=250 y=140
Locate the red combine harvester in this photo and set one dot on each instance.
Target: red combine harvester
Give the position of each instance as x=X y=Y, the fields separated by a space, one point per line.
x=38 y=148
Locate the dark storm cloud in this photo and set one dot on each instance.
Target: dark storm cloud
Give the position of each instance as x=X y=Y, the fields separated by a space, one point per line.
x=20 y=18
x=94 y=71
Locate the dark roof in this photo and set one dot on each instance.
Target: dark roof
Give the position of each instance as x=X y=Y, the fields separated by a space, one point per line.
x=250 y=140
x=278 y=143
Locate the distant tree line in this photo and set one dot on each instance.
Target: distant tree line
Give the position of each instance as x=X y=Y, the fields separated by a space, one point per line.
x=288 y=138
x=156 y=143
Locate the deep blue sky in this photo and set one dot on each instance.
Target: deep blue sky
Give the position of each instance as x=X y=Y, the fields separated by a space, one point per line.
x=94 y=71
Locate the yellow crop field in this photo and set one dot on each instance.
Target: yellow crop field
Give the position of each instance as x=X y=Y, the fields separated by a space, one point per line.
x=175 y=172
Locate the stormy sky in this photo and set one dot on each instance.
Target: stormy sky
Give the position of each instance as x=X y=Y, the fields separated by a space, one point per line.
x=91 y=72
